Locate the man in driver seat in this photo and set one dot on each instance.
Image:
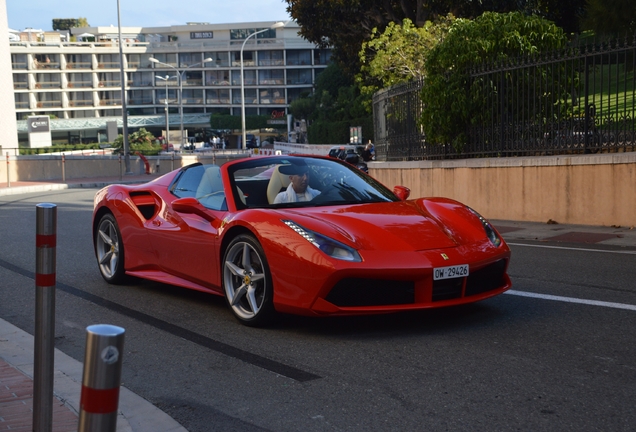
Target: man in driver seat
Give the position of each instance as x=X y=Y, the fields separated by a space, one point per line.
x=298 y=190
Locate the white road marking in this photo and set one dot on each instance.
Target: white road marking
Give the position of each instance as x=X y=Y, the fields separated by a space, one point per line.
x=573 y=249
x=572 y=300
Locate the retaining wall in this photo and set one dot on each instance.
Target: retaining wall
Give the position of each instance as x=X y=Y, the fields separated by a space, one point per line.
x=579 y=189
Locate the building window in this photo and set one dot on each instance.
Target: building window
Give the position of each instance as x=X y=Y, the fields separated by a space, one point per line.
x=170 y=59
x=187 y=59
x=298 y=76
x=298 y=57
x=249 y=77
x=322 y=56
x=248 y=58
x=244 y=33
x=217 y=78
x=217 y=96
x=270 y=58
x=219 y=59
x=271 y=77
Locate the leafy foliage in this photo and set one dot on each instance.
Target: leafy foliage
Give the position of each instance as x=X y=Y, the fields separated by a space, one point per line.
x=226 y=121
x=69 y=23
x=399 y=53
x=141 y=140
x=450 y=104
x=610 y=16
x=335 y=105
x=346 y=24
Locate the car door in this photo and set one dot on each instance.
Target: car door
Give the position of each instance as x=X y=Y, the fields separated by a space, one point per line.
x=186 y=245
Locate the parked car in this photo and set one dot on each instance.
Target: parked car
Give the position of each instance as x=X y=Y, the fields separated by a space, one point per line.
x=350 y=153
x=252 y=141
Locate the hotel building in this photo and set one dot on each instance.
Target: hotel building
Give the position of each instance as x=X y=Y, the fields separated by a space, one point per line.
x=78 y=82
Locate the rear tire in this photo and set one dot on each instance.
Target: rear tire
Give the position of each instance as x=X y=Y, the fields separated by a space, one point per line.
x=109 y=250
x=247 y=282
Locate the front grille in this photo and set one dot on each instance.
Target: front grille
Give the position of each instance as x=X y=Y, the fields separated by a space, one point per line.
x=352 y=292
x=447 y=289
x=486 y=279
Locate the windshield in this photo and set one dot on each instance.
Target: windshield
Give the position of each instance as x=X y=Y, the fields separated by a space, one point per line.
x=294 y=181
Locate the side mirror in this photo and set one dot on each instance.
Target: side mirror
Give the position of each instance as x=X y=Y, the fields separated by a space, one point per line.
x=190 y=205
x=402 y=192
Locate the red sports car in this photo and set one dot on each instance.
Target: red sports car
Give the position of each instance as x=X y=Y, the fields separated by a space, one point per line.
x=304 y=235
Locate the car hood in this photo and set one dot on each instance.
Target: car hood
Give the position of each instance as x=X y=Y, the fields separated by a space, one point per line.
x=395 y=226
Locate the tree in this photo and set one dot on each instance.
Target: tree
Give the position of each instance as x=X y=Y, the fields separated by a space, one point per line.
x=334 y=106
x=398 y=54
x=69 y=23
x=610 y=16
x=449 y=102
x=346 y=24
x=141 y=140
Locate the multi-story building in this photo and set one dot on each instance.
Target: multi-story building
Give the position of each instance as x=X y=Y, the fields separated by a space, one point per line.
x=78 y=83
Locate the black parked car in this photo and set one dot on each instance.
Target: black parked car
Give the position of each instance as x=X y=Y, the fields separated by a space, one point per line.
x=351 y=154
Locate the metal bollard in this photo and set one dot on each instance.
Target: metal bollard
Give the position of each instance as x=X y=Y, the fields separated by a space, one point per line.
x=63 y=167
x=43 y=353
x=101 y=378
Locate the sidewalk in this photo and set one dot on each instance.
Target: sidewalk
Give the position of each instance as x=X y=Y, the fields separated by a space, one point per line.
x=135 y=414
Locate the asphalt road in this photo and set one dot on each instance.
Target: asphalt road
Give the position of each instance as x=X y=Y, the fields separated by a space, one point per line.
x=509 y=363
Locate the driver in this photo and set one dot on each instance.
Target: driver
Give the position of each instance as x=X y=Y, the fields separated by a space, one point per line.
x=298 y=190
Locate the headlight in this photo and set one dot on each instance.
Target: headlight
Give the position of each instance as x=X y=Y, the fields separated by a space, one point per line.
x=490 y=231
x=329 y=246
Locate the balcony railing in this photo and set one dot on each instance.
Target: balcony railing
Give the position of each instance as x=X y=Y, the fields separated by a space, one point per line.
x=19 y=65
x=109 y=83
x=46 y=65
x=110 y=102
x=80 y=84
x=48 y=85
x=193 y=82
x=140 y=101
x=271 y=62
x=80 y=103
x=22 y=105
x=20 y=85
x=79 y=65
x=50 y=104
x=108 y=65
x=211 y=101
x=187 y=100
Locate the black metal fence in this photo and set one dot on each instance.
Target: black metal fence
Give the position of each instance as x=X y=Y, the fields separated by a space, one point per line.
x=580 y=100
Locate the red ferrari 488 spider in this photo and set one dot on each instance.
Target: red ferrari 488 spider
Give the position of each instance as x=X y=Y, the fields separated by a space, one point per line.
x=304 y=235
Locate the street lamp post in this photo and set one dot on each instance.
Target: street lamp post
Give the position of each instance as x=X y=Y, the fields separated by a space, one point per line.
x=180 y=76
x=124 y=108
x=275 y=26
x=166 y=108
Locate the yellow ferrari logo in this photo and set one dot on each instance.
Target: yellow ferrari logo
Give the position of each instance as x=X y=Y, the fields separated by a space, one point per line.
x=445 y=256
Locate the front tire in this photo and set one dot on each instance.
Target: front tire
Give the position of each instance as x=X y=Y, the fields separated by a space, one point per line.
x=247 y=282
x=109 y=250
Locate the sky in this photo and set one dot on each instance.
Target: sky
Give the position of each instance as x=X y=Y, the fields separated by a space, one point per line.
x=38 y=14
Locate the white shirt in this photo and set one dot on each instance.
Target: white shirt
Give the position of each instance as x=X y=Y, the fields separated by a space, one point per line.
x=290 y=195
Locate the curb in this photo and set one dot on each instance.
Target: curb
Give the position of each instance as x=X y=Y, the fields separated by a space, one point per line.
x=135 y=414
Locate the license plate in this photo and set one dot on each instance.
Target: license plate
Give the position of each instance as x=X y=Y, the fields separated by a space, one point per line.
x=450 y=272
